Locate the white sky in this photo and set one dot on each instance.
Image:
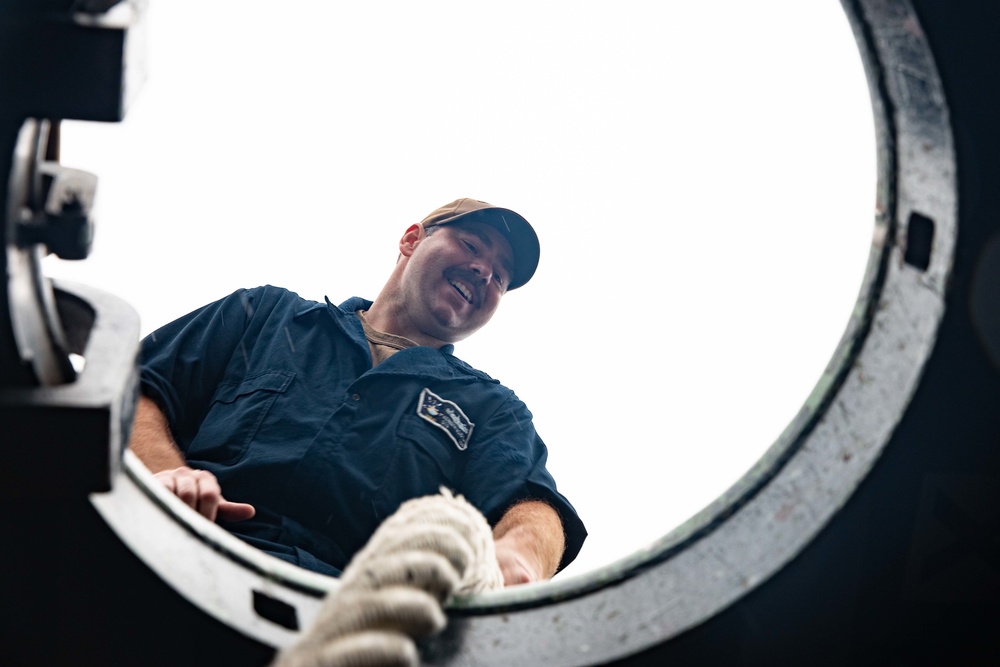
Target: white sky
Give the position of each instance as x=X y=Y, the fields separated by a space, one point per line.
x=701 y=177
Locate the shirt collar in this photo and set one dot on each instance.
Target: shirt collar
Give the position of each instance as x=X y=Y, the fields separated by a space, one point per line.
x=357 y=303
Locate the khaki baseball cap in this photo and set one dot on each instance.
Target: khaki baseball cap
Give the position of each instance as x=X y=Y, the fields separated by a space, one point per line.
x=522 y=238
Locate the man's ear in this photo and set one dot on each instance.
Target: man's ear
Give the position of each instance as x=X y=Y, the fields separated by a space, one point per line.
x=411 y=239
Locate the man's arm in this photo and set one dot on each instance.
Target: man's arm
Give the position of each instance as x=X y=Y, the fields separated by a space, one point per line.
x=529 y=542
x=152 y=443
x=151 y=440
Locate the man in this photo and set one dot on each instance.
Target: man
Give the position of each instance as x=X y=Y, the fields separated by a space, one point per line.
x=300 y=426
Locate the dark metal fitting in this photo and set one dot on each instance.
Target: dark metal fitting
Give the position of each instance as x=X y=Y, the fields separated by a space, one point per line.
x=66 y=226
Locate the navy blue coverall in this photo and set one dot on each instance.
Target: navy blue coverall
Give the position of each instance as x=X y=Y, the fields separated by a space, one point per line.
x=276 y=396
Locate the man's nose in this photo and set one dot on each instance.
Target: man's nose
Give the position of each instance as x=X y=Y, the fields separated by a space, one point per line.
x=482 y=270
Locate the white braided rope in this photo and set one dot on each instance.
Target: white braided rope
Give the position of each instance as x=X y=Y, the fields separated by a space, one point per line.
x=393 y=590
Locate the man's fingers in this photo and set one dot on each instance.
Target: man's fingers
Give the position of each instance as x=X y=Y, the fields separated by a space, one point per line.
x=166 y=478
x=515 y=570
x=516 y=575
x=229 y=511
x=186 y=488
x=209 y=494
x=199 y=490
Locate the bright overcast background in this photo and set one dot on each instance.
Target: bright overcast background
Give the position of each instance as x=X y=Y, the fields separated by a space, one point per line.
x=701 y=176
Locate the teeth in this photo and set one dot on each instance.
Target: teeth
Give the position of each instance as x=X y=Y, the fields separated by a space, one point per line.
x=463 y=289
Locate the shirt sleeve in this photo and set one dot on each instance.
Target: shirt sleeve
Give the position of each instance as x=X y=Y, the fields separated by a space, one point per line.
x=508 y=466
x=184 y=361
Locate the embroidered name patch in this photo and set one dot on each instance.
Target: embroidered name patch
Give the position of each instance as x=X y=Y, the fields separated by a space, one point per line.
x=446 y=416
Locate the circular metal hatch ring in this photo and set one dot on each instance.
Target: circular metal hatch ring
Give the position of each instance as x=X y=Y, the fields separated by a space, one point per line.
x=38 y=333
x=757 y=527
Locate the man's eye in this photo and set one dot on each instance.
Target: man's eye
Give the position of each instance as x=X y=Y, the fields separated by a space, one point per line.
x=471 y=248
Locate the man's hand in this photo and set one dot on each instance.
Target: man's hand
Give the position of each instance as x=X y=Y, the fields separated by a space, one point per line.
x=200 y=490
x=515 y=567
x=152 y=443
x=529 y=542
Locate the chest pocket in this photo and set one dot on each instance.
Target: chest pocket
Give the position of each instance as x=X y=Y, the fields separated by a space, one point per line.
x=235 y=416
x=430 y=454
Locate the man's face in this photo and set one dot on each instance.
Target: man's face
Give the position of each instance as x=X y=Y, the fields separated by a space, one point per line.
x=454 y=279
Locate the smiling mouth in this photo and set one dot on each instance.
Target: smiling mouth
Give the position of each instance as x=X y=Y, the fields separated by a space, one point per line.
x=462 y=289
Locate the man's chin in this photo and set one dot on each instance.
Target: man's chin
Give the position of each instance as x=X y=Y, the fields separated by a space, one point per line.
x=454 y=331
x=453 y=335
x=453 y=324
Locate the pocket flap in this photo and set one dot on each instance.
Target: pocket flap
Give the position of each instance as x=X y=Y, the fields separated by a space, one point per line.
x=274 y=381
